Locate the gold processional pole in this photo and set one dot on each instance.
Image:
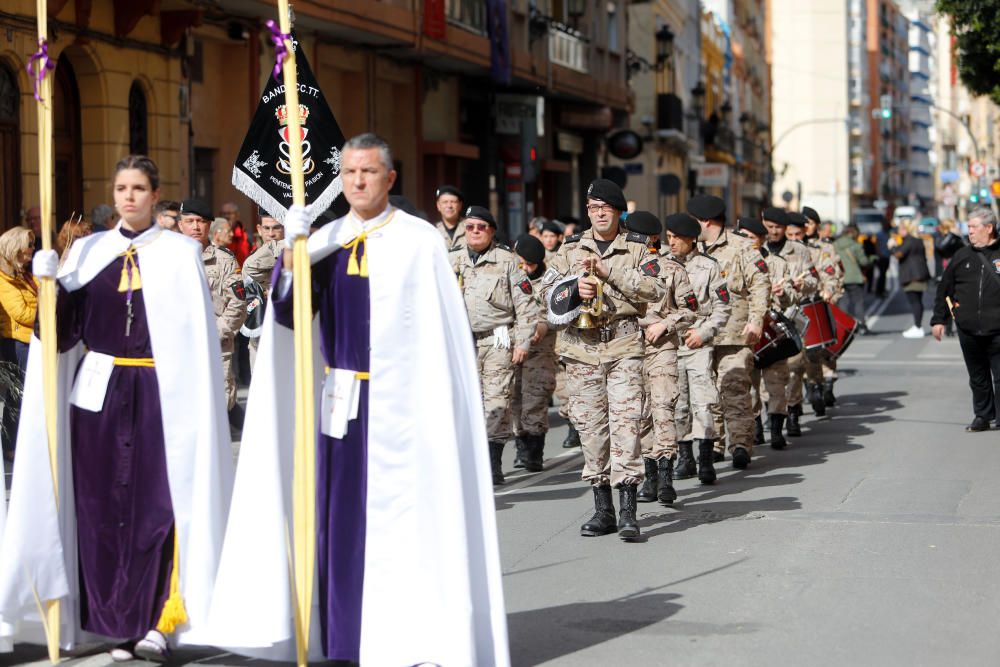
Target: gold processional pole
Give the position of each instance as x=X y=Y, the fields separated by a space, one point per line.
x=38 y=66
x=304 y=481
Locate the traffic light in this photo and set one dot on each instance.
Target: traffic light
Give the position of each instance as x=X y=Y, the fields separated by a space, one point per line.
x=886 y=104
x=529 y=150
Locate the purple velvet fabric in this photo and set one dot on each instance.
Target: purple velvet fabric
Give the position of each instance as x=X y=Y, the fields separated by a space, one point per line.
x=342 y=464
x=125 y=518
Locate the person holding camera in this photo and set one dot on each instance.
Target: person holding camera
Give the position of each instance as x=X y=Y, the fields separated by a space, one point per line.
x=969 y=292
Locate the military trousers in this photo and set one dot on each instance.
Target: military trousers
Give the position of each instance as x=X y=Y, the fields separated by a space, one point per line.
x=697 y=395
x=229 y=379
x=796 y=374
x=659 y=430
x=733 y=415
x=768 y=386
x=560 y=392
x=814 y=362
x=534 y=382
x=607 y=411
x=496 y=377
x=829 y=368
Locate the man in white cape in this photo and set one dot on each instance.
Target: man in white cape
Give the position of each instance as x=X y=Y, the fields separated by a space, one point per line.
x=408 y=567
x=39 y=557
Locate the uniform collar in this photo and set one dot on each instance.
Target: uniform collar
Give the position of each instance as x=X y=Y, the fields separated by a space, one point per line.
x=363 y=225
x=721 y=241
x=587 y=240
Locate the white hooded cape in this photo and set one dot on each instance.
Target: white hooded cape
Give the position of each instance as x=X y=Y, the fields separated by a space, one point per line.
x=38 y=553
x=432 y=580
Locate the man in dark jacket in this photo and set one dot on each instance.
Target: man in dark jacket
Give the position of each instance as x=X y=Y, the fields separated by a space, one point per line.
x=970 y=290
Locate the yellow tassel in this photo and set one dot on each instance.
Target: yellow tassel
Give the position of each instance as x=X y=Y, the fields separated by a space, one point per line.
x=352 y=263
x=123 y=283
x=173 y=613
x=364 y=262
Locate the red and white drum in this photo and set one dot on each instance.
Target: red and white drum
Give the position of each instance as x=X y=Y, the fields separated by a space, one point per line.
x=779 y=340
x=821 y=331
x=846 y=327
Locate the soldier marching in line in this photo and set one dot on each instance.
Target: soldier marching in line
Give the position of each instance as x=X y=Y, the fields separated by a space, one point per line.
x=831 y=273
x=800 y=264
x=745 y=272
x=535 y=379
x=563 y=397
x=663 y=325
x=775 y=376
x=450 y=203
x=698 y=394
x=504 y=317
x=613 y=278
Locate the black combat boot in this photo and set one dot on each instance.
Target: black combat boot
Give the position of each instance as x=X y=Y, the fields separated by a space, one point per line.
x=794 y=412
x=828 y=396
x=572 y=438
x=685 y=468
x=628 y=527
x=706 y=457
x=816 y=399
x=665 y=474
x=603 y=522
x=758 y=431
x=521 y=455
x=496 y=452
x=534 y=453
x=741 y=457
x=650 y=485
x=777 y=437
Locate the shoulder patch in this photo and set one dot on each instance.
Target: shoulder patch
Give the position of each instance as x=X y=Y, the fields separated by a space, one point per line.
x=723 y=292
x=761 y=265
x=813 y=272
x=692 y=301
x=525 y=286
x=830 y=270
x=573 y=238
x=651 y=267
x=239 y=290
x=635 y=237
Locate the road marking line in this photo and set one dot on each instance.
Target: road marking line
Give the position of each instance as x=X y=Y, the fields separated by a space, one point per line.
x=877 y=313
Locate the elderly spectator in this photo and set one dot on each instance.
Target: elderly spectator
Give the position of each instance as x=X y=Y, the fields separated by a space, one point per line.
x=969 y=292
x=853 y=256
x=18 y=306
x=168 y=214
x=913 y=273
x=221 y=233
x=71 y=231
x=102 y=217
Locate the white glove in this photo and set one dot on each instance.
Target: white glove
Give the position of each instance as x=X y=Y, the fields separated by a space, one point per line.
x=501 y=338
x=296 y=225
x=45 y=264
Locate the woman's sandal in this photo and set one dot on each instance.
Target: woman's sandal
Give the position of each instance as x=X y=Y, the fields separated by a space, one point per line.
x=153 y=647
x=123 y=652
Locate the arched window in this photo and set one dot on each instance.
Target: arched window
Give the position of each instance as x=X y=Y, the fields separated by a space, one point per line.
x=10 y=148
x=138 y=126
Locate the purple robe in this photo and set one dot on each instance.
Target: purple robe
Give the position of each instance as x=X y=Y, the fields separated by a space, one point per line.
x=343 y=304
x=125 y=518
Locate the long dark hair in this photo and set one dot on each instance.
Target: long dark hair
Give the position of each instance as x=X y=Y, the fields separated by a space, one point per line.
x=143 y=164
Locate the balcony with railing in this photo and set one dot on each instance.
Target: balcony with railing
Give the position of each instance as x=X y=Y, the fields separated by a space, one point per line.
x=568 y=48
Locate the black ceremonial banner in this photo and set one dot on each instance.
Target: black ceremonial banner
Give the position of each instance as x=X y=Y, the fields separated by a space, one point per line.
x=262 y=167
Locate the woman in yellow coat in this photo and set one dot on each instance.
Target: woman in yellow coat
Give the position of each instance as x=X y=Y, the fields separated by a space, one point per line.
x=18 y=306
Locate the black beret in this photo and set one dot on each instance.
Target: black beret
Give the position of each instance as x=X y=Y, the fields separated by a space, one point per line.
x=707 y=207
x=796 y=219
x=643 y=222
x=481 y=213
x=811 y=213
x=552 y=226
x=683 y=224
x=752 y=225
x=604 y=190
x=530 y=248
x=449 y=190
x=776 y=215
x=197 y=207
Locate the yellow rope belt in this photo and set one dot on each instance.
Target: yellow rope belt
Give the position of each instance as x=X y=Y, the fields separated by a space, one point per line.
x=141 y=362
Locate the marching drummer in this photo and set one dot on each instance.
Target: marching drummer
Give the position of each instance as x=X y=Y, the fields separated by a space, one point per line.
x=809 y=366
x=831 y=274
x=697 y=394
x=774 y=375
x=805 y=280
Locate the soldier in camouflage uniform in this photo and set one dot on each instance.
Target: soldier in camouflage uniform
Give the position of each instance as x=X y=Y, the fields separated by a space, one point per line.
x=698 y=394
x=604 y=364
x=775 y=376
x=798 y=366
x=745 y=272
x=535 y=379
x=225 y=284
x=499 y=298
x=450 y=201
x=663 y=325
x=821 y=366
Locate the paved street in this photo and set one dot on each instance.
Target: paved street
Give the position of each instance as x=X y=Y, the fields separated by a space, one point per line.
x=871 y=540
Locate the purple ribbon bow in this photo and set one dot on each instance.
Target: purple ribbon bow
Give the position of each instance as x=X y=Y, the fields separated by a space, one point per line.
x=280 y=50
x=43 y=67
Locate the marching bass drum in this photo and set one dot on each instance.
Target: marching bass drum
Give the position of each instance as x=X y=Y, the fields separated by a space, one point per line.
x=846 y=327
x=778 y=340
x=821 y=331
